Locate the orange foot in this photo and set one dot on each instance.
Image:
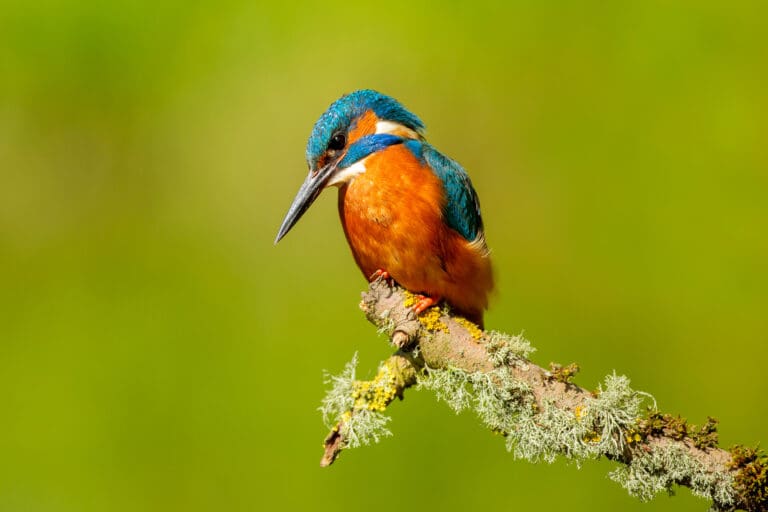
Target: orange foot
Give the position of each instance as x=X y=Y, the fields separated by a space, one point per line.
x=381 y=274
x=424 y=302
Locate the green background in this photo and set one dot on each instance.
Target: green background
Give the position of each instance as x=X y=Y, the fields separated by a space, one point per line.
x=158 y=353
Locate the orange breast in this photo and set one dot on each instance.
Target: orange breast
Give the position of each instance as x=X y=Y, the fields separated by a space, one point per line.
x=392 y=217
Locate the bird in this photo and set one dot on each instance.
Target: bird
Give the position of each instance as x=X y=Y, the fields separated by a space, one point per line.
x=410 y=214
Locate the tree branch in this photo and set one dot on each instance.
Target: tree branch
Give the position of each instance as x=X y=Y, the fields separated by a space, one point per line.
x=542 y=414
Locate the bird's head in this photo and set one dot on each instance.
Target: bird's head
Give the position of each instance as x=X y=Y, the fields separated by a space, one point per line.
x=354 y=127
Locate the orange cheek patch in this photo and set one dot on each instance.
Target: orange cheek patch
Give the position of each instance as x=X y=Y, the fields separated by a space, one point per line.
x=322 y=161
x=366 y=125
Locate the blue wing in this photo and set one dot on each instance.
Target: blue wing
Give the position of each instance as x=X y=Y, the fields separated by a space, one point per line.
x=462 y=209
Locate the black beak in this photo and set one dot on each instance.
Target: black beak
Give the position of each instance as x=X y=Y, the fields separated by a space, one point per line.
x=307 y=194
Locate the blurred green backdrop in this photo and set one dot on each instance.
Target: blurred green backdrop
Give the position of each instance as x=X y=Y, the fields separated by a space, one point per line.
x=158 y=353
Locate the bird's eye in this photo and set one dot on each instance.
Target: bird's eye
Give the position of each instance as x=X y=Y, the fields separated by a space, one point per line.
x=338 y=141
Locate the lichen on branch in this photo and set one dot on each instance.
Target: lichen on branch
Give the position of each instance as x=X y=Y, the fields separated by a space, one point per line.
x=542 y=414
x=353 y=409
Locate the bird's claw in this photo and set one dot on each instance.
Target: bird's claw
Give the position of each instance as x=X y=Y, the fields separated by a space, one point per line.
x=424 y=302
x=381 y=275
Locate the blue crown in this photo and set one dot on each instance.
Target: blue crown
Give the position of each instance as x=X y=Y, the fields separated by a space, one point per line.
x=346 y=109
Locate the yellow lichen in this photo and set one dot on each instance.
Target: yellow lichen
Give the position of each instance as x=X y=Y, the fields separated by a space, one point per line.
x=562 y=373
x=431 y=320
x=471 y=327
x=592 y=437
x=578 y=412
x=410 y=299
x=375 y=394
x=633 y=436
x=344 y=419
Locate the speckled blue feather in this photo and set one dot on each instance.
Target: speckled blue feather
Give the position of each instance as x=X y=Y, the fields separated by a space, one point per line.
x=462 y=208
x=344 y=111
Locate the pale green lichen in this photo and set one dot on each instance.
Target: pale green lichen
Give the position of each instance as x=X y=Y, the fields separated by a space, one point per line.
x=451 y=385
x=615 y=410
x=504 y=349
x=607 y=423
x=496 y=397
x=604 y=425
x=500 y=398
x=666 y=466
x=339 y=400
x=341 y=408
x=542 y=435
x=365 y=427
x=387 y=324
x=507 y=405
x=600 y=426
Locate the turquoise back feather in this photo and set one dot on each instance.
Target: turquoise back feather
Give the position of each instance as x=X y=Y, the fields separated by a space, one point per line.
x=462 y=208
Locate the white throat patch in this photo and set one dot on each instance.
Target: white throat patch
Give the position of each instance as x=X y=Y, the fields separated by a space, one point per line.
x=347 y=174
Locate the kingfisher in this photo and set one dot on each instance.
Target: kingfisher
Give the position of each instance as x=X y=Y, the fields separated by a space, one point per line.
x=409 y=213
